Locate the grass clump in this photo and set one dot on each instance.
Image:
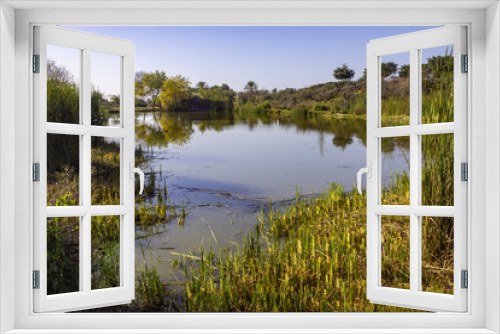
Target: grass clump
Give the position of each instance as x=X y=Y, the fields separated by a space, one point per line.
x=311 y=257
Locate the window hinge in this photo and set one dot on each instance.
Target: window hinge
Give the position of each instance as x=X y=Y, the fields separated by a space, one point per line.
x=36 y=172
x=36 y=63
x=36 y=279
x=465 y=64
x=464 y=171
x=465 y=279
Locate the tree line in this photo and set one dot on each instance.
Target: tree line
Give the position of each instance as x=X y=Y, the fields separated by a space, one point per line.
x=157 y=90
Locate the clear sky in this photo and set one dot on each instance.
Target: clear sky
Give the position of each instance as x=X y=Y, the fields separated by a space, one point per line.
x=273 y=57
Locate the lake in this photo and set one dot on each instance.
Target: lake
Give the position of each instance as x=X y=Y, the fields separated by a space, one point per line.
x=225 y=168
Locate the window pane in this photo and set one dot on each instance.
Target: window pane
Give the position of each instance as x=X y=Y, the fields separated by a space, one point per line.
x=437 y=169
x=105 y=252
x=395 y=170
x=437 y=254
x=63 y=255
x=63 y=170
x=395 y=259
x=105 y=171
x=63 y=84
x=106 y=87
x=395 y=89
x=437 y=84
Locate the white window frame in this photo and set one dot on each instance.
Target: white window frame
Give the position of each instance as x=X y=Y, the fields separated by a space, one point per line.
x=85 y=297
x=413 y=43
x=484 y=267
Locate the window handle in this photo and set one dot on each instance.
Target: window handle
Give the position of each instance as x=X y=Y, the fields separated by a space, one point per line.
x=368 y=171
x=139 y=171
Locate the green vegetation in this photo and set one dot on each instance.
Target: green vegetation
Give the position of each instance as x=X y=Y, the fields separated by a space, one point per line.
x=311 y=257
x=175 y=94
x=174 y=90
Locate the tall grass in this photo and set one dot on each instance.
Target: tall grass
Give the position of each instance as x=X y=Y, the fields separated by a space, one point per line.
x=308 y=257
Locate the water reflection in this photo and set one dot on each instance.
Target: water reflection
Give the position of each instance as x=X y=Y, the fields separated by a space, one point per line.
x=161 y=129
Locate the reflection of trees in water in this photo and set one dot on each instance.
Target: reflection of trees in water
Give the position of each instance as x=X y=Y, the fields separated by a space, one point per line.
x=342 y=142
x=166 y=129
x=177 y=128
x=393 y=143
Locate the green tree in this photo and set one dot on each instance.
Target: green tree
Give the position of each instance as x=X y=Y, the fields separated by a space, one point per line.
x=63 y=106
x=343 y=73
x=251 y=87
x=438 y=66
x=175 y=89
x=225 y=87
x=97 y=114
x=115 y=100
x=63 y=95
x=202 y=85
x=389 y=68
x=139 y=89
x=153 y=84
x=404 y=71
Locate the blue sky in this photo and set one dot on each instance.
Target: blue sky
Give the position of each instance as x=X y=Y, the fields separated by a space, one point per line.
x=273 y=57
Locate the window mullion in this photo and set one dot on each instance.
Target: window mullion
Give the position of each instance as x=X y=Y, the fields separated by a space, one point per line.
x=86 y=156
x=414 y=172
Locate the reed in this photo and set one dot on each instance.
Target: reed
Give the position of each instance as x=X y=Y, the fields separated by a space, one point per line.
x=308 y=257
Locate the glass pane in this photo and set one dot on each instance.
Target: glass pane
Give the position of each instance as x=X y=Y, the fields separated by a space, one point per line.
x=63 y=84
x=437 y=84
x=105 y=76
x=105 y=171
x=63 y=255
x=395 y=89
x=63 y=170
x=437 y=170
x=395 y=170
x=395 y=259
x=105 y=252
x=437 y=254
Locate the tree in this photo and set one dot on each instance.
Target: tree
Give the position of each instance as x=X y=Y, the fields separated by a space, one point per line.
x=62 y=95
x=251 y=87
x=404 y=71
x=139 y=84
x=202 y=85
x=275 y=90
x=438 y=66
x=63 y=106
x=97 y=114
x=153 y=84
x=225 y=87
x=389 y=68
x=343 y=73
x=115 y=99
x=175 y=89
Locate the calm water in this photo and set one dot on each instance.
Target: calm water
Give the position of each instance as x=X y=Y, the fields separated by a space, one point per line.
x=225 y=168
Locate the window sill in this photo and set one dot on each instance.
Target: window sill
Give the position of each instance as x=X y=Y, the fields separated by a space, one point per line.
x=251 y=331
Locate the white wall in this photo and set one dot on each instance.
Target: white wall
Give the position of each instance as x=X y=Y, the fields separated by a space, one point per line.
x=7 y=159
x=492 y=150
